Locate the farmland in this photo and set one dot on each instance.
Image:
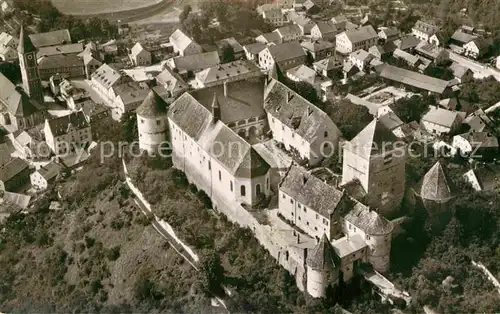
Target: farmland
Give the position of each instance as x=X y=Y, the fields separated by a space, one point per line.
x=90 y=7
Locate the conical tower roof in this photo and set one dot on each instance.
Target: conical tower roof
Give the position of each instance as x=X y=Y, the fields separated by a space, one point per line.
x=435 y=186
x=152 y=106
x=25 y=44
x=322 y=256
x=372 y=140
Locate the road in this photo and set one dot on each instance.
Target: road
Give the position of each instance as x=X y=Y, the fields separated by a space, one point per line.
x=480 y=70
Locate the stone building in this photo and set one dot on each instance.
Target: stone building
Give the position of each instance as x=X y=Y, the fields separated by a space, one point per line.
x=377 y=160
x=68 y=134
x=152 y=123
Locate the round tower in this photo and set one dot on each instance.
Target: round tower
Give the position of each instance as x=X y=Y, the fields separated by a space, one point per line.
x=321 y=269
x=380 y=243
x=152 y=123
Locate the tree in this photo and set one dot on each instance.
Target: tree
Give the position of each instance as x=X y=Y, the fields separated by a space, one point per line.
x=411 y=109
x=227 y=53
x=11 y=71
x=185 y=13
x=130 y=132
x=211 y=272
x=349 y=118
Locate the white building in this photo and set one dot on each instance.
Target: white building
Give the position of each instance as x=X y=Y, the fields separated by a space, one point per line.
x=476 y=48
x=424 y=31
x=76 y=98
x=375 y=160
x=361 y=58
x=352 y=40
x=139 y=56
x=227 y=72
x=252 y=50
x=152 y=124
x=440 y=121
x=172 y=83
x=8 y=47
x=68 y=134
x=272 y=14
x=475 y=144
x=183 y=44
x=211 y=154
x=284 y=56
x=324 y=30
x=46 y=175
x=289 y=33
x=300 y=125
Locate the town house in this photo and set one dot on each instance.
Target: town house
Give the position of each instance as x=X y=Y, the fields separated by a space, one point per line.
x=67 y=134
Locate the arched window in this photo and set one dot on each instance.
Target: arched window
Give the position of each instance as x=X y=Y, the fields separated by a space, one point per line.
x=243 y=191
x=257 y=189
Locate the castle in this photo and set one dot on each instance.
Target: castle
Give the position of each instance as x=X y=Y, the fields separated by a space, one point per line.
x=319 y=232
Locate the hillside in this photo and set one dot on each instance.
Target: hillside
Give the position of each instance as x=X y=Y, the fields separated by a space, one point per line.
x=82 y=7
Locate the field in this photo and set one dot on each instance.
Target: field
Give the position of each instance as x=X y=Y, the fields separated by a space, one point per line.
x=82 y=7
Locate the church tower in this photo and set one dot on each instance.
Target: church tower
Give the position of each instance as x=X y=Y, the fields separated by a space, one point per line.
x=29 y=67
x=376 y=158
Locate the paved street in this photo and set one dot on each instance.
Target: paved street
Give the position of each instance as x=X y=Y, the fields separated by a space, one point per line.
x=480 y=70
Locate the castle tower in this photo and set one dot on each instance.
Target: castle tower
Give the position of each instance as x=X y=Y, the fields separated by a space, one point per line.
x=377 y=159
x=321 y=269
x=32 y=83
x=152 y=123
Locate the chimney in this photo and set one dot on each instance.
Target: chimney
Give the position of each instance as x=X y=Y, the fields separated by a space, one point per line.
x=225 y=89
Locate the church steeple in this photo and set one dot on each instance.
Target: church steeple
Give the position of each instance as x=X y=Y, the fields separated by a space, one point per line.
x=29 y=67
x=25 y=43
x=216 y=114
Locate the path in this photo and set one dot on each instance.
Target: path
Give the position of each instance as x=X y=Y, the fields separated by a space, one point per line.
x=165 y=230
x=480 y=70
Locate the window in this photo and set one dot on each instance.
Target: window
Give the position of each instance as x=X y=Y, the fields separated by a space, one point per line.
x=298 y=206
x=243 y=191
x=283 y=195
x=326 y=134
x=305 y=209
x=158 y=122
x=387 y=159
x=220 y=176
x=300 y=218
x=325 y=222
x=317 y=216
x=142 y=120
x=367 y=237
x=231 y=185
x=209 y=166
x=315 y=228
x=291 y=201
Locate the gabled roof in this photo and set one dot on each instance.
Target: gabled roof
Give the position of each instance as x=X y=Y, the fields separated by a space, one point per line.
x=59 y=37
x=368 y=220
x=361 y=55
x=59 y=126
x=326 y=27
x=328 y=64
x=181 y=40
x=152 y=106
x=479 y=121
x=49 y=171
x=107 y=76
x=390 y=31
x=372 y=140
x=187 y=113
x=412 y=78
x=426 y=27
x=434 y=185
x=12 y=168
x=60 y=61
x=303 y=73
x=226 y=71
x=458 y=70
x=16 y=101
x=488 y=177
x=60 y=49
x=430 y=50
x=286 y=51
x=361 y=34
x=171 y=81
x=196 y=61
x=462 y=37
x=255 y=48
x=391 y=120
x=137 y=49
x=304 y=118
x=243 y=99
x=409 y=58
x=317 y=45
x=271 y=37
x=407 y=42
x=288 y=30
x=442 y=116
x=310 y=191
x=323 y=256
x=480 y=139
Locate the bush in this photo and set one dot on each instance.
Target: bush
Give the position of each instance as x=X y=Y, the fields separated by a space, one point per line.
x=89 y=242
x=113 y=254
